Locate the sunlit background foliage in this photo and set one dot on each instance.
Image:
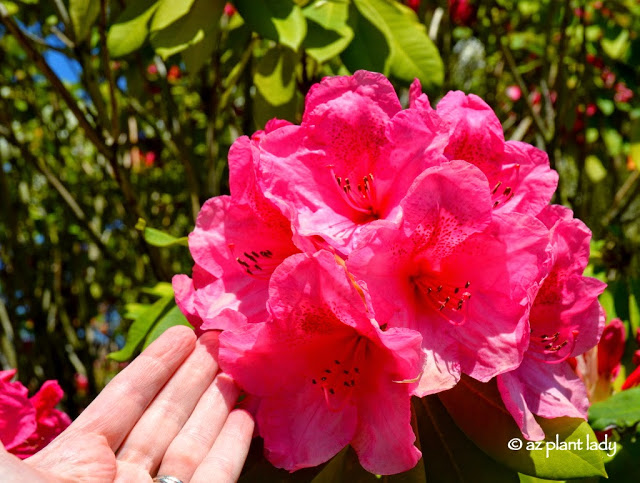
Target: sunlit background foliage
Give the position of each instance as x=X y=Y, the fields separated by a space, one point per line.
x=116 y=117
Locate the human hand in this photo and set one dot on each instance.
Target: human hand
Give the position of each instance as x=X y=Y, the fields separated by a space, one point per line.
x=167 y=413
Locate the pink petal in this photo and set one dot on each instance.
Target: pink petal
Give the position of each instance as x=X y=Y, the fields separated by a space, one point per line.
x=17 y=414
x=547 y=390
x=307 y=436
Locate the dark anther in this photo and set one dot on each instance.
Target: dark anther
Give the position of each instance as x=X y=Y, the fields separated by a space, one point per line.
x=323 y=378
x=258 y=267
x=345 y=371
x=328 y=371
x=355 y=369
x=249 y=257
x=314 y=381
x=353 y=382
x=346 y=383
x=456 y=290
x=507 y=191
x=439 y=288
x=447 y=300
x=466 y=285
x=493 y=192
x=332 y=391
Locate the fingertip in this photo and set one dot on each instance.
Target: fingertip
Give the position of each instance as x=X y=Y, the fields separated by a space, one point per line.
x=242 y=419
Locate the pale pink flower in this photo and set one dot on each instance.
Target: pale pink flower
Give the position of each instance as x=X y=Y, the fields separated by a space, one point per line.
x=324 y=374
x=566 y=320
x=456 y=272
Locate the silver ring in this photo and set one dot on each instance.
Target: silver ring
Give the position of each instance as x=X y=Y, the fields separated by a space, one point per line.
x=166 y=479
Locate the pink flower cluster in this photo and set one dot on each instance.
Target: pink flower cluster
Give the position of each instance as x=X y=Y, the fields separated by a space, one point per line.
x=373 y=253
x=28 y=424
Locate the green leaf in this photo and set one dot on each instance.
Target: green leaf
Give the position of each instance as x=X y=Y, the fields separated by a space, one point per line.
x=140 y=328
x=169 y=319
x=202 y=20
x=130 y=30
x=160 y=289
x=369 y=49
x=448 y=455
x=159 y=238
x=168 y=12
x=197 y=55
x=279 y=20
x=328 y=32
x=621 y=410
x=479 y=411
x=83 y=13
x=617 y=48
x=413 y=54
x=275 y=82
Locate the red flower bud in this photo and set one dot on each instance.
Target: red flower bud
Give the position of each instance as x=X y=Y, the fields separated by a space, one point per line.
x=633 y=379
x=610 y=349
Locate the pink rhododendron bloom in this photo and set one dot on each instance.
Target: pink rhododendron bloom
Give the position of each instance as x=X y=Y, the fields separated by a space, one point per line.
x=237 y=243
x=29 y=424
x=519 y=176
x=565 y=321
x=324 y=373
x=335 y=174
x=457 y=272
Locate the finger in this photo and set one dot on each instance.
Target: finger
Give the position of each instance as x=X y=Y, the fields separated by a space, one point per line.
x=196 y=438
x=226 y=458
x=130 y=473
x=149 y=439
x=123 y=401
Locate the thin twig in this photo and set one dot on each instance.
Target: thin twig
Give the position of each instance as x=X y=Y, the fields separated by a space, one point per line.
x=106 y=63
x=617 y=207
x=523 y=87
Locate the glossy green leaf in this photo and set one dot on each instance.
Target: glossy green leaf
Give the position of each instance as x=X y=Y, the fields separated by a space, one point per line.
x=279 y=20
x=197 y=55
x=369 y=49
x=275 y=81
x=140 y=328
x=413 y=54
x=621 y=410
x=448 y=455
x=131 y=29
x=202 y=19
x=168 y=12
x=328 y=31
x=171 y=318
x=83 y=14
x=479 y=411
